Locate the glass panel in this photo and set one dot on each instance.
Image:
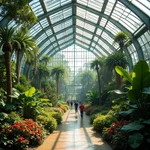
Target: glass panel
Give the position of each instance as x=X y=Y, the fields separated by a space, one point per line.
x=63 y=25
x=44 y=23
x=61 y=15
x=144 y=5
x=44 y=45
x=101 y=50
x=97 y=5
x=105 y=46
x=87 y=15
x=109 y=7
x=144 y=41
x=126 y=17
x=51 y=4
x=107 y=38
x=41 y=38
x=133 y=54
x=112 y=28
x=36 y=7
x=35 y=29
x=64 y=33
x=49 y=32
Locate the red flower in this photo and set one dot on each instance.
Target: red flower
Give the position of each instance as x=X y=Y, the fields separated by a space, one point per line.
x=10 y=132
x=20 y=139
x=38 y=138
x=10 y=127
x=3 y=130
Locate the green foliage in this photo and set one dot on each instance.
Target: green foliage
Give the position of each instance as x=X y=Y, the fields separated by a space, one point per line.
x=12 y=118
x=48 y=112
x=19 y=11
x=116 y=59
x=49 y=123
x=57 y=116
x=21 y=134
x=103 y=121
x=138 y=92
x=30 y=102
x=138 y=104
x=93 y=97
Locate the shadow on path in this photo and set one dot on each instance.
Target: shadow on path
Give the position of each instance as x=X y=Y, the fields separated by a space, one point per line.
x=74 y=133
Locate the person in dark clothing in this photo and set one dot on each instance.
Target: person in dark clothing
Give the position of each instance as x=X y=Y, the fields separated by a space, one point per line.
x=71 y=104
x=76 y=106
x=81 y=110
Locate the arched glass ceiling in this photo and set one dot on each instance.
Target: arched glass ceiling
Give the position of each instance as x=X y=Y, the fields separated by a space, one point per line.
x=92 y=24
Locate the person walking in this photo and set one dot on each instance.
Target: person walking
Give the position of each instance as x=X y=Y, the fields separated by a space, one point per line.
x=81 y=110
x=76 y=106
x=71 y=103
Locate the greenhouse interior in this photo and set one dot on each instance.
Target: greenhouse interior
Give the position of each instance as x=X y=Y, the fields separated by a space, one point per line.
x=55 y=54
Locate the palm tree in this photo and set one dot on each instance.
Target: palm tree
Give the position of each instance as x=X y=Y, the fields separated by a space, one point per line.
x=45 y=59
x=24 y=44
x=116 y=59
x=97 y=64
x=58 y=71
x=121 y=38
x=43 y=72
x=18 y=11
x=6 y=39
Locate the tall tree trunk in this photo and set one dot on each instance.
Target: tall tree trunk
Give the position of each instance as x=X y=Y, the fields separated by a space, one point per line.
x=9 y=77
x=18 y=66
x=28 y=71
x=99 y=86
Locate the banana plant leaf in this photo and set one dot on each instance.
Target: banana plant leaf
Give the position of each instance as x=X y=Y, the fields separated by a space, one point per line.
x=135 y=140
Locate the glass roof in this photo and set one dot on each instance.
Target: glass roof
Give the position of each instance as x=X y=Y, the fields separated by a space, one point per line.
x=91 y=25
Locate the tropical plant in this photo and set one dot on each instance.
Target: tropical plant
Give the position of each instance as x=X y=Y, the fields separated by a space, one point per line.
x=6 y=39
x=18 y=11
x=121 y=38
x=45 y=59
x=92 y=96
x=24 y=44
x=58 y=72
x=97 y=64
x=43 y=72
x=116 y=59
x=138 y=102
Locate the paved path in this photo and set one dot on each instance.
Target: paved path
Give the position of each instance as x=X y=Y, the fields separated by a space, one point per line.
x=74 y=134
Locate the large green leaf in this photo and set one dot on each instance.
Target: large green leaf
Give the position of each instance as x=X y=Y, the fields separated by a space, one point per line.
x=123 y=73
x=135 y=140
x=3 y=116
x=30 y=92
x=141 y=71
x=147 y=121
x=131 y=96
x=147 y=80
x=134 y=126
x=146 y=91
x=125 y=113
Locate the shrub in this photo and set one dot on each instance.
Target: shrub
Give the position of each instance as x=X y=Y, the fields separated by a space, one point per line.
x=48 y=112
x=103 y=121
x=49 y=123
x=21 y=134
x=114 y=135
x=94 y=116
x=95 y=111
x=57 y=109
x=57 y=116
x=89 y=110
x=13 y=117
